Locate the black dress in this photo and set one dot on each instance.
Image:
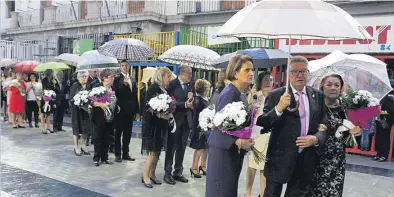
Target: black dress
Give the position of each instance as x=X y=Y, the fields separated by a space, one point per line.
x=154 y=129
x=329 y=176
x=49 y=85
x=80 y=119
x=197 y=139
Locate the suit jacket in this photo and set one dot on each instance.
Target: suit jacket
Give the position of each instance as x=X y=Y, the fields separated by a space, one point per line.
x=127 y=99
x=175 y=89
x=282 y=153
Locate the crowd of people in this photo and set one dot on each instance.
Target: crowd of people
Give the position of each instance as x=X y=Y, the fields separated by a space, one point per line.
x=300 y=145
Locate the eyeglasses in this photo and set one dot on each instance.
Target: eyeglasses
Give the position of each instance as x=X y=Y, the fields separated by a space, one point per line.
x=84 y=76
x=268 y=80
x=297 y=72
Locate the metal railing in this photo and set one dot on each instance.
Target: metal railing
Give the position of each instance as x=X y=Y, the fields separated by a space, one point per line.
x=199 y=6
x=41 y=51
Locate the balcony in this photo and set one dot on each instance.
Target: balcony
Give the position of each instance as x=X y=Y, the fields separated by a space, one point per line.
x=206 y=6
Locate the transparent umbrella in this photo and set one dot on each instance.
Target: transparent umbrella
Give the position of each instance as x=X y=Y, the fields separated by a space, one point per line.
x=360 y=72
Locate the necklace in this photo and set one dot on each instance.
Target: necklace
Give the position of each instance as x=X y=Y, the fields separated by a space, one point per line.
x=330 y=112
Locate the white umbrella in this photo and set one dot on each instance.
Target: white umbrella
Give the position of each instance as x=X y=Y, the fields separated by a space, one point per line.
x=126 y=49
x=195 y=56
x=360 y=72
x=68 y=58
x=92 y=60
x=6 y=62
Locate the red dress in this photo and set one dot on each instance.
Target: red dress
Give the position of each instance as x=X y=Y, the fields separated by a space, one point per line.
x=17 y=101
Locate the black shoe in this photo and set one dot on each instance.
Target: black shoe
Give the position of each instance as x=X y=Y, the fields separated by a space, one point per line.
x=376 y=158
x=146 y=185
x=19 y=126
x=50 y=131
x=36 y=125
x=44 y=132
x=169 y=179
x=84 y=152
x=118 y=159
x=382 y=159
x=181 y=178
x=193 y=174
x=107 y=162
x=30 y=125
x=96 y=163
x=77 y=154
x=201 y=169
x=155 y=181
x=127 y=157
x=15 y=127
x=60 y=129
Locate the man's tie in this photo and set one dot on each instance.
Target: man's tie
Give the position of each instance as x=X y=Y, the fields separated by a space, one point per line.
x=301 y=111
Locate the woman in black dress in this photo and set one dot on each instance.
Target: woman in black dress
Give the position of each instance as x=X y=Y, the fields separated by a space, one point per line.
x=80 y=120
x=154 y=128
x=226 y=152
x=103 y=125
x=48 y=83
x=198 y=140
x=329 y=175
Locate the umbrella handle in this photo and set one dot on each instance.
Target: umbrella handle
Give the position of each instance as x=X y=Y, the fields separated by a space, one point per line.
x=288 y=80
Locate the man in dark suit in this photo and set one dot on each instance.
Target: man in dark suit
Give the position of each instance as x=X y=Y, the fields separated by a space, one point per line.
x=92 y=76
x=294 y=120
x=61 y=103
x=126 y=93
x=180 y=88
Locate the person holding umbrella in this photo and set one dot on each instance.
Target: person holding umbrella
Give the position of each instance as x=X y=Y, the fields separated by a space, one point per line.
x=126 y=93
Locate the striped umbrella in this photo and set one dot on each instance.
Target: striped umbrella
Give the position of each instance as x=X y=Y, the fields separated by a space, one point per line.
x=126 y=49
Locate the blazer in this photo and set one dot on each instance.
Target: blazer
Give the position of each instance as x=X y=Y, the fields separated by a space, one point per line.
x=127 y=99
x=175 y=89
x=282 y=153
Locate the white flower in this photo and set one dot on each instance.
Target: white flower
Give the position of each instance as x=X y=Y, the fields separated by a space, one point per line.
x=50 y=93
x=160 y=103
x=233 y=112
x=373 y=102
x=206 y=118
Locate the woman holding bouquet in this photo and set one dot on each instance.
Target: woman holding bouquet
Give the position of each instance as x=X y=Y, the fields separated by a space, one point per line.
x=80 y=118
x=154 y=127
x=17 y=101
x=258 y=94
x=34 y=90
x=48 y=83
x=198 y=139
x=226 y=152
x=102 y=118
x=329 y=175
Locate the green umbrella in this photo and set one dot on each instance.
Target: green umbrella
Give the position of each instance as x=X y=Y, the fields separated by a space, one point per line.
x=51 y=65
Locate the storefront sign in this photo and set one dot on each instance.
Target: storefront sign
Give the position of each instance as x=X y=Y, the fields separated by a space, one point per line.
x=381 y=29
x=81 y=46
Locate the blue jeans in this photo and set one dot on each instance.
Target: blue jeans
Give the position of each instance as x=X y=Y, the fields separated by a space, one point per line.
x=365 y=135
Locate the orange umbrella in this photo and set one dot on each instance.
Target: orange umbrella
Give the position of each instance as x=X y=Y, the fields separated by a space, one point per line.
x=26 y=66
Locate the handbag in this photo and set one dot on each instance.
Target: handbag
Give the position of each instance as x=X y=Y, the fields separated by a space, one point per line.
x=383 y=121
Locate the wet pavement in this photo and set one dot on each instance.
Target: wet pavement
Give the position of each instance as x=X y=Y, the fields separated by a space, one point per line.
x=37 y=165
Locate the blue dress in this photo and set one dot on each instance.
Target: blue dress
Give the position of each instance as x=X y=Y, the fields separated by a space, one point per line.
x=225 y=161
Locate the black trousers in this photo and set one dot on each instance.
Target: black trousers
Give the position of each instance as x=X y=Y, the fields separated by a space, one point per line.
x=59 y=114
x=124 y=125
x=176 y=146
x=32 y=108
x=382 y=143
x=101 y=136
x=296 y=187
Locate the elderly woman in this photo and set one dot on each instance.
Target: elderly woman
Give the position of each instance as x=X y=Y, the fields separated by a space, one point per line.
x=103 y=125
x=81 y=123
x=226 y=153
x=48 y=83
x=154 y=128
x=198 y=140
x=17 y=101
x=34 y=90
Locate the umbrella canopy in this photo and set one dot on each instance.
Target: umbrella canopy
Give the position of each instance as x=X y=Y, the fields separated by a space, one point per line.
x=280 y=19
x=51 y=65
x=262 y=58
x=360 y=72
x=25 y=66
x=68 y=58
x=6 y=62
x=92 y=60
x=191 y=55
x=126 y=49
x=147 y=73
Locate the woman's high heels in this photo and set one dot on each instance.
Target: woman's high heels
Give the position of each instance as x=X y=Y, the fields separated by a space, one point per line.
x=201 y=169
x=193 y=174
x=145 y=184
x=84 y=152
x=155 y=181
x=77 y=154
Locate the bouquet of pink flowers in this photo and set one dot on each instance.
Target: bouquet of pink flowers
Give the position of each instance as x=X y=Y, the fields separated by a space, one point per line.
x=49 y=95
x=103 y=96
x=236 y=119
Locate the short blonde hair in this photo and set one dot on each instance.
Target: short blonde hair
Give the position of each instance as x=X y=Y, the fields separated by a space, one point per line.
x=298 y=59
x=235 y=64
x=201 y=86
x=159 y=74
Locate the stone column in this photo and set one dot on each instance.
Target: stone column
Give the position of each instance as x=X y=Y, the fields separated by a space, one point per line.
x=93 y=9
x=14 y=19
x=49 y=15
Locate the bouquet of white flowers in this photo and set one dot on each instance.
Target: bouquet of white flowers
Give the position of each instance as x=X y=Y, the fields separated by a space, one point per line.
x=81 y=100
x=49 y=95
x=163 y=106
x=205 y=119
x=236 y=119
